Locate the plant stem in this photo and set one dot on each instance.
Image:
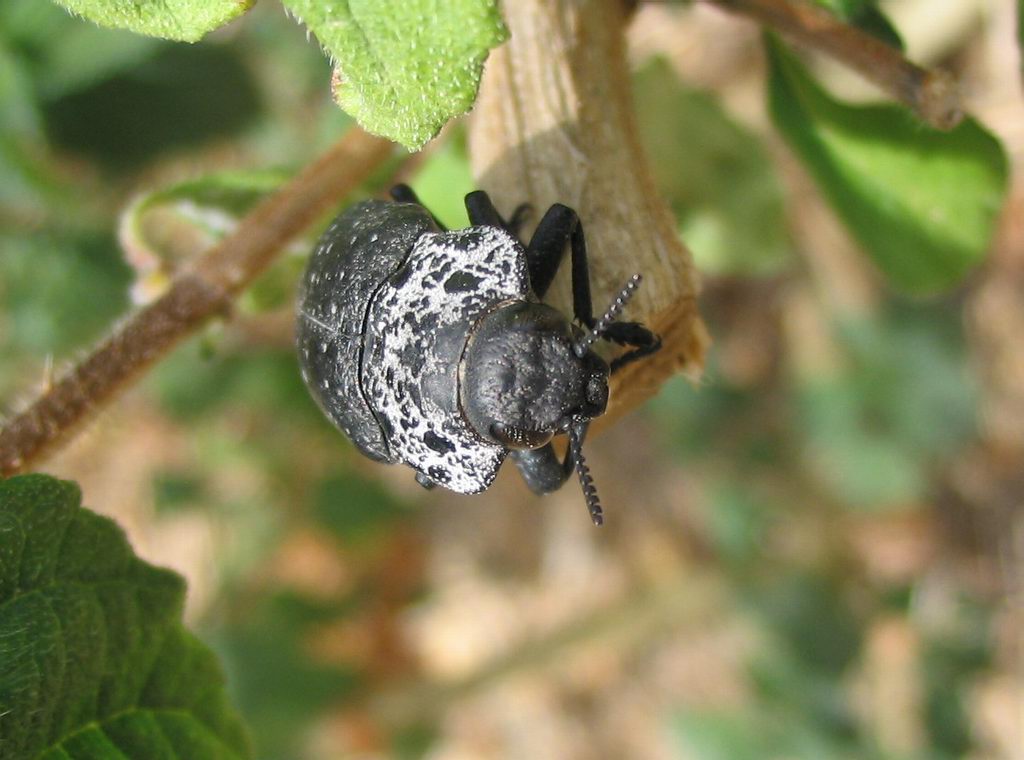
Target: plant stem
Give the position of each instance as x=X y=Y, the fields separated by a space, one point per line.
x=930 y=93
x=198 y=294
x=554 y=123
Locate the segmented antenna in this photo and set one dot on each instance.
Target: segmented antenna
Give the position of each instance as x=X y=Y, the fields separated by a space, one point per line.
x=583 y=473
x=581 y=346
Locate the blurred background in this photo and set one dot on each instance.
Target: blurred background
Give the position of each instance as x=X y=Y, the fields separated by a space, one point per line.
x=814 y=553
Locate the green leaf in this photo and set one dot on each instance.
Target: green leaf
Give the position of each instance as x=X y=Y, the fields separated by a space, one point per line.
x=233 y=192
x=94 y=661
x=405 y=67
x=921 y=202
x=715 y=174
x=864 y=15
x=185 y=20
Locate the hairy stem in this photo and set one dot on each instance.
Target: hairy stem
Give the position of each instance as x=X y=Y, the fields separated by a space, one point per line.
x=554 y=123
x=198 y=294
x=931 y=94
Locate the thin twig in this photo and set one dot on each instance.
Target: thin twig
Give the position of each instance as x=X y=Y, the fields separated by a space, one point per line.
x=930 y=93
x=203 y=291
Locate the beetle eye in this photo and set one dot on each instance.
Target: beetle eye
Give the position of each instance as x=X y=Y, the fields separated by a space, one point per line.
x=597 y=391
x=517 y=438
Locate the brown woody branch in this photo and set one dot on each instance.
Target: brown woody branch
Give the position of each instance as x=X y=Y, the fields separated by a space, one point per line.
x=932 y=94
x=200 y=293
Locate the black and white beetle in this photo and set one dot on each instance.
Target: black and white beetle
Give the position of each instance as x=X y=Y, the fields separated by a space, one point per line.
x=432 y=348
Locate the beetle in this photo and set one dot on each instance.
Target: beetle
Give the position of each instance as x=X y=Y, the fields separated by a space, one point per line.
x=433 y=347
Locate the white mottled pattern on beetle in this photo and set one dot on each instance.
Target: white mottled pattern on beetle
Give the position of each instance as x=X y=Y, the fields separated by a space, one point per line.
x=354 y=256
x=417 y=326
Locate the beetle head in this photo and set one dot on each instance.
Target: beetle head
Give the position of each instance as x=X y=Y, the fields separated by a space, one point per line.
x=528 y=374
x=523 y=379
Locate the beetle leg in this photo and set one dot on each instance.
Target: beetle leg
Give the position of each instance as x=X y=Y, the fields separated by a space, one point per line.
x=628 y=334
x=405 y=194
x=541 y=469
x=633 y=334
x=481 y=210
x=637 y=353
x=547 y=246
x=424 y=481
x=519 y=215
x=582 y=308
x=544 y=254
x=543 y=472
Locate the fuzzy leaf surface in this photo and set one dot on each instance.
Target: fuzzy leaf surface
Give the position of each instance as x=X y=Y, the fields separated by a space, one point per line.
x=184 y=20
x=404 y=67
x=94 y=661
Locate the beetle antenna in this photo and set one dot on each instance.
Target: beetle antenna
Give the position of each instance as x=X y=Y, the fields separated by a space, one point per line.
x=588 y=339
x=576 y=432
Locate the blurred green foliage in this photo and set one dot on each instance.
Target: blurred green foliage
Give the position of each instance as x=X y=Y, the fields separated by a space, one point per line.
x=353 y=509
x=1020 y=29
x=82 y=134
x=86 y=113
x=726 y=196
x=905 y=402
x=209 y=82
x=278 y=686
x=900 y=404
x=922 y=202
x=175 y=490
x=60 y=290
